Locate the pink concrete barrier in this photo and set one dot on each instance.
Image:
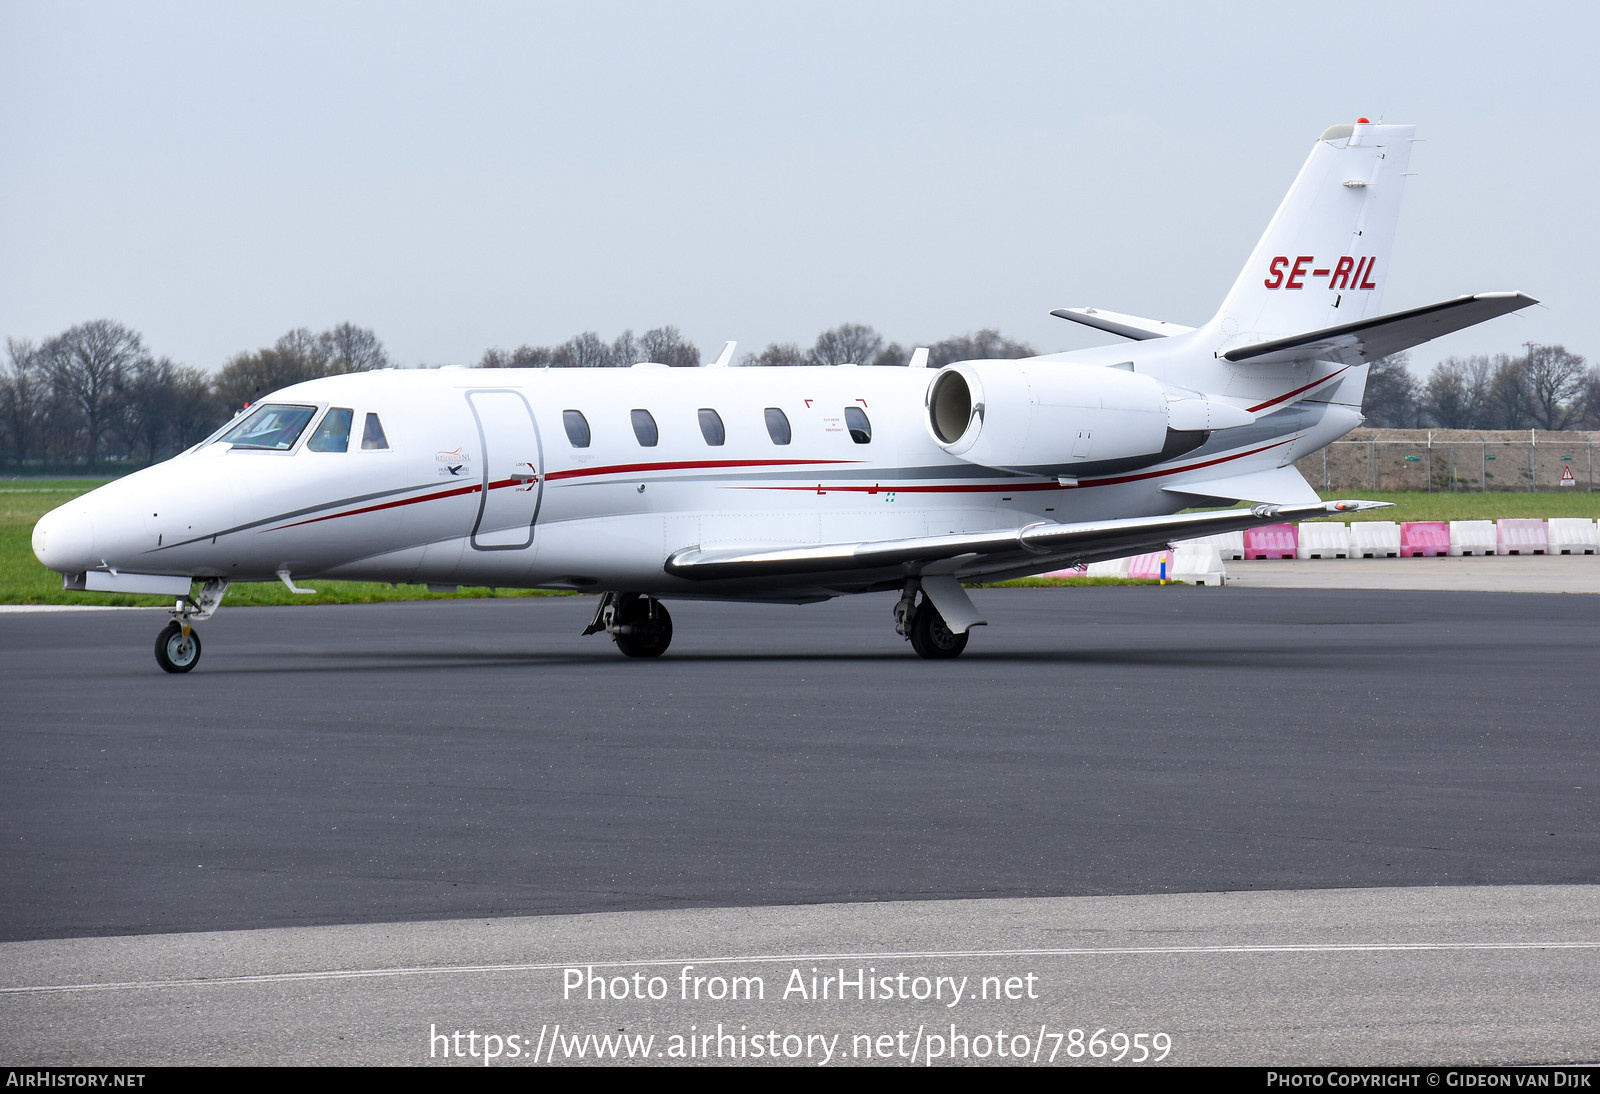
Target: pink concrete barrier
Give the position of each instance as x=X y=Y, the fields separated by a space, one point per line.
x=1148 y=567
x=1521 y=536
x=1424 y=538
x=1271 y=541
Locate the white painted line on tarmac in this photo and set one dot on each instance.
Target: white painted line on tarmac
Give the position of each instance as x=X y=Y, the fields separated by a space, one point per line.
x=83 y=608
x=753 y=959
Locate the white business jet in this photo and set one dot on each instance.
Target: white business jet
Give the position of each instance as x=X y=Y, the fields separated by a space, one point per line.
x=793 y=484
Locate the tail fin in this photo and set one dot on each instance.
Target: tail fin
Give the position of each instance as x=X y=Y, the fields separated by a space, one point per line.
x=1325 y=255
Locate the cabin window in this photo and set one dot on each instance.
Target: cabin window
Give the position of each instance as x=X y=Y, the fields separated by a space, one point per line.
x=644 y=427
x=711 y=427
x=372 y=437
x=778 y=426
x=860 y=428
x=333 y=433
x=272 y=426
x=577 y=427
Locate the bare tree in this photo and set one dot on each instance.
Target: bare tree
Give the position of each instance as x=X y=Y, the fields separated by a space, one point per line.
x=1555 y=381
x=1391 y=393
x=1510 y=402
x=1457 y=393
x=625 y=350
x=776 y=355
x=521 y=357
x=1589 y=401
x=24 y=398
x=349 y=348
x=86 y=365
x=985 y=345
x=666 y=346
x=584 y=351
x=848 y=343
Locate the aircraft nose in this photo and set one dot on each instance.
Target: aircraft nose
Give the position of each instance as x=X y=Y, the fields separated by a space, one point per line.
x=64 y=540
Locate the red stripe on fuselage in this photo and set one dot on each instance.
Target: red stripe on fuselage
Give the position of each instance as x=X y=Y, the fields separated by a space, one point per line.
x=457 y=492
x=577 y=472
x=1007 y=488
x=685 y=465
x=1296 y=391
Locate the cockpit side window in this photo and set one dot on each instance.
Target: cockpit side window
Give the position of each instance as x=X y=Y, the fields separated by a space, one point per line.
x=372 y=437
x=274 y=427
x=333 y=432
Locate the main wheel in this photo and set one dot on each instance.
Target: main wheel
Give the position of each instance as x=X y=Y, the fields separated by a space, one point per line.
x=931 y=636
x=176 y=652
x=649 y=632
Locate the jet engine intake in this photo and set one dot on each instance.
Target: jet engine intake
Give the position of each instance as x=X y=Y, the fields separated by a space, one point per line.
x=1014 y=414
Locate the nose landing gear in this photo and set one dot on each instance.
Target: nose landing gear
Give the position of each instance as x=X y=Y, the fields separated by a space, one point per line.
x=178 y=644
x=177 y=648
x=639 y=625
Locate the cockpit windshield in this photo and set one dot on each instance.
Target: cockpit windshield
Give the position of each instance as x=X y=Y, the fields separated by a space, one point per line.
x=272 y=426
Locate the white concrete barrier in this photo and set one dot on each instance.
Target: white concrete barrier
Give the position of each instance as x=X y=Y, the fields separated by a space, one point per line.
x=1117 y=567
x=1229 y=545
x=1573 y=536
x=1323 y=539
x=1521 y=536
x=1472 y=537
x=1198 y=564
x=1374 y=539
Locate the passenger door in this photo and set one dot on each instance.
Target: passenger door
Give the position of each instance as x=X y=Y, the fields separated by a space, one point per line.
x=513 y=479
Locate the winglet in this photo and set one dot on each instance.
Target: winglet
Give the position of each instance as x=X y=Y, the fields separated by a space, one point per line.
x=725 y=357
x=919 y=357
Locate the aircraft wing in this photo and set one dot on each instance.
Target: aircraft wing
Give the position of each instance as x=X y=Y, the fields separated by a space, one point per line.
x=1369 y=339
x=1039 y=546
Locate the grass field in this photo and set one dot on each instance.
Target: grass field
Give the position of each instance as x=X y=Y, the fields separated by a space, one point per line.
x=24 y=581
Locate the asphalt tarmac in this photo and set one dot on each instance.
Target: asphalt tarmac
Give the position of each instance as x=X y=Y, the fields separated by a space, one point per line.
x=477 y=761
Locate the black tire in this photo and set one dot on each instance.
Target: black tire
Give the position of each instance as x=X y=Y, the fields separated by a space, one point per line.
x=651 y=633
x=174 y=652
x=931 y=637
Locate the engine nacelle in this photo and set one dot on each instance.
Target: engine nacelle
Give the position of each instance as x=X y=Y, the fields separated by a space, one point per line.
x=1017 y=414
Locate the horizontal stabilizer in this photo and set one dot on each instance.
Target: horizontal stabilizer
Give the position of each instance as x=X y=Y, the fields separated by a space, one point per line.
x=1370 y=339
x=1278 y=486
x=1127 y=326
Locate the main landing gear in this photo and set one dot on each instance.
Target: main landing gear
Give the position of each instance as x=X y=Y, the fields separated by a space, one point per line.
x=920 y=620
x=638 y=624
x=178 y=645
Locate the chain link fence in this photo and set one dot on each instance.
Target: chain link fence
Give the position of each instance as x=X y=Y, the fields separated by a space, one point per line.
x=1456 y=460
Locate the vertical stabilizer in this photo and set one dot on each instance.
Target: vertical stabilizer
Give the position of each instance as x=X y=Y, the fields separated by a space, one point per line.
x=1325 y=256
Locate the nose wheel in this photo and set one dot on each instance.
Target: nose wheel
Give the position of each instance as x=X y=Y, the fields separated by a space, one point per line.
x=178 y=645
x=177 y=651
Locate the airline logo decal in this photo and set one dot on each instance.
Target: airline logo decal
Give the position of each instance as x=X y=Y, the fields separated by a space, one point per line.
x=452 y=463
x=1347 y=273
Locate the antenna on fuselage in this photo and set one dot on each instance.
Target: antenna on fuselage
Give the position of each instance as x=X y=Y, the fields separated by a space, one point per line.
x=725 y=357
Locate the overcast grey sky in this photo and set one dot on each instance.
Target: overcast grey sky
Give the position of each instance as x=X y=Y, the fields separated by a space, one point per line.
x=471 y=175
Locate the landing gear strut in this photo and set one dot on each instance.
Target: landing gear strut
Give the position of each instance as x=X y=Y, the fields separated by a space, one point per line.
x=918 y=619
x=639 y=625
x=178 y=644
